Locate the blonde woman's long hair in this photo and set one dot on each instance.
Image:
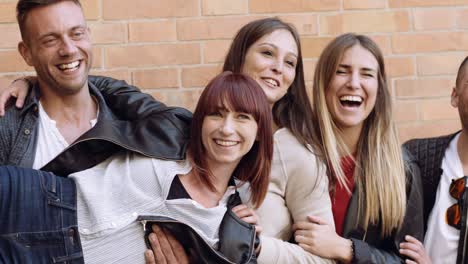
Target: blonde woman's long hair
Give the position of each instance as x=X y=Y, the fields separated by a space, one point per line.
x=380 y=173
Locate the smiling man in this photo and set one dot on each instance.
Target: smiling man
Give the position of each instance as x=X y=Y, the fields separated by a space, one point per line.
x=444 y=168
x=68 y=125
x=65 y=106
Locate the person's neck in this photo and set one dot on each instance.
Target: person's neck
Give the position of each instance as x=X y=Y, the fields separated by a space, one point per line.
x=71 y=112
x=204 y=195
x=462 y=149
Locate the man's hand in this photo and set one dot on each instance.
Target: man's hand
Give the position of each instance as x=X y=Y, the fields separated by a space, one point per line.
x=165 y=248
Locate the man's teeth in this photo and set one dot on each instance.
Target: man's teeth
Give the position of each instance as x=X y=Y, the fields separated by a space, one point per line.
x=68 y=66
x=270 y=81
x=225 y=143
x=351 y=98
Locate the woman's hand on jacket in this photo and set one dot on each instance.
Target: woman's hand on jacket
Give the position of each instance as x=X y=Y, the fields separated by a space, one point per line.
x=19 y=89
x=319 y=238
x=415 y=251
x=165 y=249
x=247 y=215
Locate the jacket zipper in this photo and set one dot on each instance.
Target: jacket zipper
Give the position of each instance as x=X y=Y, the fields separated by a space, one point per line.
x=143 y=222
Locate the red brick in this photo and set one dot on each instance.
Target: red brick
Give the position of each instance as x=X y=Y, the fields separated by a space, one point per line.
x=369 y=21
x=157 y=31
x=10 y=35
x=405 y=110
x=199 y=76
x=183 y=98
x=224 y=7
x=430 y=42
x=108 y=33
x=158 y=78
x=97 y=57
x=306 y=24
x=384 y=43
x=437 y=109
x=399 y=66
x=210 y=28
x=150 y=55
x=91 y=9
x=424 y=87
x=139 y=9
x=462 y=18
x=428 y=19
x=425 y=3
x=312 y=47
x=364 y=4
x=215 y=50
x=8 y=12
x=439 y=64
x=427 y=129
x=15 y=62
x=309 y=69
x=292 y=6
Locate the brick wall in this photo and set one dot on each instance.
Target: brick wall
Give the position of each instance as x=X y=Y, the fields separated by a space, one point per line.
x=171 y=48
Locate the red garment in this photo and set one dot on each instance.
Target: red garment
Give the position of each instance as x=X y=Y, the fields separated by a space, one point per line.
x=341 y=198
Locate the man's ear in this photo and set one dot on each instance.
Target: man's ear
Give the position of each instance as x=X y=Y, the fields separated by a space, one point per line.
x=25 y=52
x=454 y=97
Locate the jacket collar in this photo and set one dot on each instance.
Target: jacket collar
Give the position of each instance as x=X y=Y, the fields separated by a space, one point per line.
x=32 y=101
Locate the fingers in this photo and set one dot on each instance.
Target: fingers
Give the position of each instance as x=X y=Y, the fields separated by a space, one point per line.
x=149 y=257
x=303 y=225
x=316 y=220
x=158 y=254
x=167 y=255
x=21 y=96
x=258 y=229
x=414 y=249
x=19 y=89
x=4 y=96
x=177 y=249
x=413 y=240
x=245 y=213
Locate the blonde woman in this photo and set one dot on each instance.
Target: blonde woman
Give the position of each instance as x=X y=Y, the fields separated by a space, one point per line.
x=375 y=190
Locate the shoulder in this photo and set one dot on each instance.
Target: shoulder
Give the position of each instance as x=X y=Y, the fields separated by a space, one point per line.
x=286 y=142
x=293 y=158
x=419 y=146
x=169 y=167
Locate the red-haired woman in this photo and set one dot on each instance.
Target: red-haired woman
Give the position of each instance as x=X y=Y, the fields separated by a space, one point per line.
x=229 y=152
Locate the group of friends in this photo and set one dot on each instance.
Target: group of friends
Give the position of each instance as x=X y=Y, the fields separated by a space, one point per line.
x=94 y=171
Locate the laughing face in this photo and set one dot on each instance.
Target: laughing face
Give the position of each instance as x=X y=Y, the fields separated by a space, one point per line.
x=58 y=46
x=227 y=136
x=271 y=61
x=352 y=92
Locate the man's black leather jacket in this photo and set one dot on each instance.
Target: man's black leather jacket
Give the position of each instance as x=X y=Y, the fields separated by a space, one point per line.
x=429 y=153
x=369 y=246
x=127 y=118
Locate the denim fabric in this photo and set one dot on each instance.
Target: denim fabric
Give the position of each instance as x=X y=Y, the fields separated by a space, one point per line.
x=38 y=219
